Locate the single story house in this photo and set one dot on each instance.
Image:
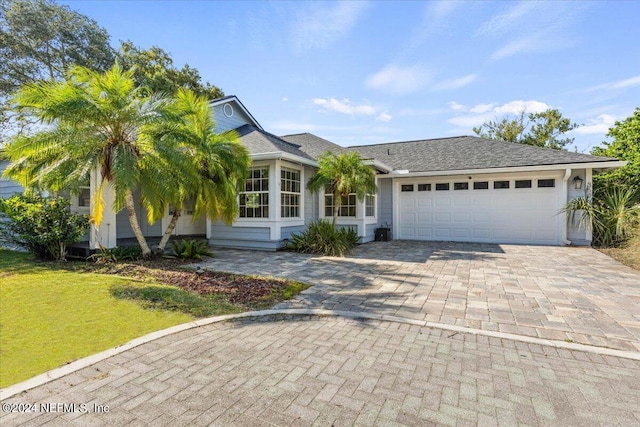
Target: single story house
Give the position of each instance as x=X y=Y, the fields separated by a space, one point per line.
x=463 y=188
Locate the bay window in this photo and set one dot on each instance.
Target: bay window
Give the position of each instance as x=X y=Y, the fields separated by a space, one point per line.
x=254 y=200
x=289 y=193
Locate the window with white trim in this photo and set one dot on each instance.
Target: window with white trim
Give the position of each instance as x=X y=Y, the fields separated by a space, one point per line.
x=347 y=208
x=254 y=200
x=84 y=197
x=289 y=193
x=370 y=205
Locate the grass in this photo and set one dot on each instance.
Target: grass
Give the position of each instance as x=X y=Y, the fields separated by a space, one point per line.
x=629 y=254
x=171 y=298
x=52 y=314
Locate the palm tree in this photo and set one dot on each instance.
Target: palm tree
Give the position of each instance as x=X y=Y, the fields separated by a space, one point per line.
x=341 y=175
x=98 y=121
x=219 y=166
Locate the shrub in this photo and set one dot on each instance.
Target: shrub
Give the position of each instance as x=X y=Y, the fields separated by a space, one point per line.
x=190 y=249
x=43 y=225
x=612 y=215
x=323 y=238
x=117 y=254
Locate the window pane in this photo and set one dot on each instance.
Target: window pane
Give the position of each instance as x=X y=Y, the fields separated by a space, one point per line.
x=500 y=184
x=406 y=187
x=254 y=201
x=461 y=186
x=442 y=187
x=481 y=185
x=525 y=183
x=84 y=198
x=544 y=183
x=424 y=187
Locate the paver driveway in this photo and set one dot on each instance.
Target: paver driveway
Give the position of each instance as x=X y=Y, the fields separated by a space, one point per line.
x=322 y=371
x=559 y=293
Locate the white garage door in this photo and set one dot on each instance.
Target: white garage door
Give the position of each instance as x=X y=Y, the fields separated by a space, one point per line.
x=491 y=211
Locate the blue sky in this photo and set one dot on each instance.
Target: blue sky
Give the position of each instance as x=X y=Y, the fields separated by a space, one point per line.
x=370 y=72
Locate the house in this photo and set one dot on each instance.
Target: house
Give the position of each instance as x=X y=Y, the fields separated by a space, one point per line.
x=463 y=188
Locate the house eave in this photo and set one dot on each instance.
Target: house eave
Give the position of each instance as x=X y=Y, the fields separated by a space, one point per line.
x=378 y=165
x=240 y=104
x=279 y=155
x=588 y=165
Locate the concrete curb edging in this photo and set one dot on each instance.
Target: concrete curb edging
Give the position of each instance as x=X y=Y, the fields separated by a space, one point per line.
x=77 y=365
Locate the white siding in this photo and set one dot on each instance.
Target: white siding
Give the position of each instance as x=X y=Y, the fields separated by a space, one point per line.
x=7 y=187
x=224 y=123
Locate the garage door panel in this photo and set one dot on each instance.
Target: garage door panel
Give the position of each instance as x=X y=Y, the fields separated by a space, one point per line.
x=426 y=233
x=442 y=217
x=442 y=232
x=461 y=217
x=425 y=203
x=462 y=233
x=493 y=216
x=407 y=217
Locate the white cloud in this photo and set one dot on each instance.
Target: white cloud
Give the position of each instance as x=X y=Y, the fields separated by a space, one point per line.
x=504 y=22
x=384 y=117
x=620 y=84
x=319 y=26
x=532 y=27
x=467 y=121
x=481 y=108
x=599 y=125
x=285 y=99
x=481 y=113
x=456 y=83
x=455 y=106
x=399 y=80
x=633 y=81
x=517 y=107
x=345 y=106
x=529 y=43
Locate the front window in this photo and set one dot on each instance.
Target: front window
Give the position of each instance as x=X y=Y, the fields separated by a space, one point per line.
x=254 y=200
x=347 y=208
x=84 y=197
x=370 y=205
x=289 y=193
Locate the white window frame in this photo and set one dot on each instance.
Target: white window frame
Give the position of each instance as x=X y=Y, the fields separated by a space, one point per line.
x=284 y=192
x=342 y=206
x=373 y=206
x=261 y=191
x=75 y=201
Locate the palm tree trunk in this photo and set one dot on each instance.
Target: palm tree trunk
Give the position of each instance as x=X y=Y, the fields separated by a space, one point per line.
x=135 y=226
x=337 y=200
x=169 y=231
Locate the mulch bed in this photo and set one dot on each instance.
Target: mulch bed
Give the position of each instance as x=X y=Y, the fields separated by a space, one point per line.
x=238 y=289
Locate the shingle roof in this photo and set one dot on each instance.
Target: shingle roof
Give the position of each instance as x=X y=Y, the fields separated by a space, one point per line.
x=313 y=145
x=467 y=152
x=258 y=141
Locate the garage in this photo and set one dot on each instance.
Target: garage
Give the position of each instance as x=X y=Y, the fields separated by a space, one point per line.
x=487 y=210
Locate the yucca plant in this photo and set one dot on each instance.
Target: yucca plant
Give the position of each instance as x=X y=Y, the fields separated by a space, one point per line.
x=324 y=239
x=613 y=217
x=618 y=218
x=190 y=249
x=119 y=253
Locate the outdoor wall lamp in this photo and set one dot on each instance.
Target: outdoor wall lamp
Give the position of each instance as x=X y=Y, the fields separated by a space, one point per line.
x=577 y=182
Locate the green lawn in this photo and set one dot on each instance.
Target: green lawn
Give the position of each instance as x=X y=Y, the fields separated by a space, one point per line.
x=50 y=316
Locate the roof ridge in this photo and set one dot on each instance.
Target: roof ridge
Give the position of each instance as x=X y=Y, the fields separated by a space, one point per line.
x=414 y=140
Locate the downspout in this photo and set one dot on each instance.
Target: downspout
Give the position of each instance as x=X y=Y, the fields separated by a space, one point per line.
x=565 y=188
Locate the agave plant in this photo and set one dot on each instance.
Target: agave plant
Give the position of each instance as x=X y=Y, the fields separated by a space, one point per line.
x=613 y=217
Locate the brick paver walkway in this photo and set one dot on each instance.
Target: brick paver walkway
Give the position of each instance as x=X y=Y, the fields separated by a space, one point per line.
x=572 y=294
x=333 y=371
